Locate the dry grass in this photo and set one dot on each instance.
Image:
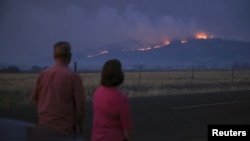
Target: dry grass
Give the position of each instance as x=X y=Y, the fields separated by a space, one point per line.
x=16 y=88
x=180 y=82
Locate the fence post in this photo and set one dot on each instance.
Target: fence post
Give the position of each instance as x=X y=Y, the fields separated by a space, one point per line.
x=192 y=77
x=233 y=73
x=140 y=69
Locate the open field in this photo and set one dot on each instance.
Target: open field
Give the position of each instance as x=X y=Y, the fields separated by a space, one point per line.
x=15 y=88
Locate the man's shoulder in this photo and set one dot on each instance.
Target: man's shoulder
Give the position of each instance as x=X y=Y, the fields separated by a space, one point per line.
x=47 y=70
x=73 y=73
x=75 y=76
x=64 y=70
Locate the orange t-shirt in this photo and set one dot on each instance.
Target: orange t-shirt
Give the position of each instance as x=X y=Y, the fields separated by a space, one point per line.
x=57 y=92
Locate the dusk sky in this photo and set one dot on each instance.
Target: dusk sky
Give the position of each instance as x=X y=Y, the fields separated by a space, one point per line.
x=29 y=28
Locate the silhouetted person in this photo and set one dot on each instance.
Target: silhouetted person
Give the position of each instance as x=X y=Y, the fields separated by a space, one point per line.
x=59 y=97
x=112 y=116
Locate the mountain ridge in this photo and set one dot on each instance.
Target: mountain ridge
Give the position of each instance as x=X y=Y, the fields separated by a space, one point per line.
x=201 y=53
x=194 y=52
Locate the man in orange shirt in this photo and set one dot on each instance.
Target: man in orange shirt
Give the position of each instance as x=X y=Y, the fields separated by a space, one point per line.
x=59 y=95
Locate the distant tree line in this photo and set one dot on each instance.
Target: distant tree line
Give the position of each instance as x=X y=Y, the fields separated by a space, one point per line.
x=16 y=69
x=10 y=69
x=238 y=65
x=140 y=67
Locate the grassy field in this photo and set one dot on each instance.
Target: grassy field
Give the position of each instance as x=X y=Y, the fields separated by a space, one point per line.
x=15 y=88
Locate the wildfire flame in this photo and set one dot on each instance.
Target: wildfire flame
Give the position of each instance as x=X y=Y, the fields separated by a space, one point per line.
x=144 y=49
x=104 y=52
x=166 y=43
x=159 y=45
x=98 y=54
x=184 y=41
x=203 y=35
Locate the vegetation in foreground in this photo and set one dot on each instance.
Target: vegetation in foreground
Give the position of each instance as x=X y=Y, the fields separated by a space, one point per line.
x=16 y=88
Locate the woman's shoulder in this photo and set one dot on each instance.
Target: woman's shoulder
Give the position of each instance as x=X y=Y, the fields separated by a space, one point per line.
x=120 y=95
x=111 y=91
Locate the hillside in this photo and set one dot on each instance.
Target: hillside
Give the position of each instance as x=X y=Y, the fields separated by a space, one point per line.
x=192 y=52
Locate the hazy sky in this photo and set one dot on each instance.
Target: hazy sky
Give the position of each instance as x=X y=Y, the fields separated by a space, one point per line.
x=29 y=28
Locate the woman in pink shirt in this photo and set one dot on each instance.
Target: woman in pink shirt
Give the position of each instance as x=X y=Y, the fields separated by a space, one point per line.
x=112 y=116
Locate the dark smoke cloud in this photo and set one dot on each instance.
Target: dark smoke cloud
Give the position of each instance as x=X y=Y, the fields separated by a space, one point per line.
x=30 y=28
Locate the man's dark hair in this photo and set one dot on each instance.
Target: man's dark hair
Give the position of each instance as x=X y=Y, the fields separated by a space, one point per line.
x=62 y=49
x=112 y=74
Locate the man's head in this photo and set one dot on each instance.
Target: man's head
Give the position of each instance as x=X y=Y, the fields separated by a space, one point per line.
x=62 y=52
x=112 y=74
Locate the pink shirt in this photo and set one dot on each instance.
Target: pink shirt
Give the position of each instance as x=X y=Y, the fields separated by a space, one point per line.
x=111 y=115
x=57 y=92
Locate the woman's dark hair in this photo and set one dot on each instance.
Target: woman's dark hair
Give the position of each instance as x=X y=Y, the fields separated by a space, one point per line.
x=112 y=74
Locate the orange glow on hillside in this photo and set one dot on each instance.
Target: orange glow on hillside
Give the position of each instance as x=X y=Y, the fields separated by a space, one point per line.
x=201 y=35
x=166 y=43
x=157 y=46
x=144 y=49
x=102 y=52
